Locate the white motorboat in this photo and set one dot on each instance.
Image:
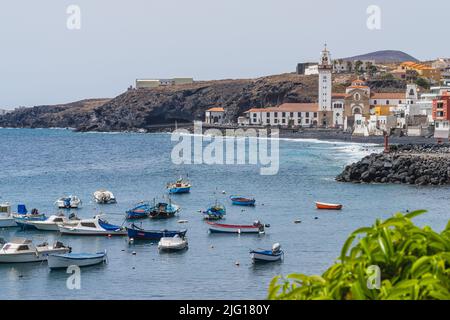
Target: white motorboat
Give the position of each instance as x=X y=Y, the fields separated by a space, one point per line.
x=104 y=197
x=50 y=224
x=275 y=254
x=56 y=261
x=22 y=250
x=70 y=202
x=93 y=227
x=6 y=217
x=175 y=243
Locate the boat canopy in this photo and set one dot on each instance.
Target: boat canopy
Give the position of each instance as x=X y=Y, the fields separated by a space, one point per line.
x=22 y=209
x=105 y=225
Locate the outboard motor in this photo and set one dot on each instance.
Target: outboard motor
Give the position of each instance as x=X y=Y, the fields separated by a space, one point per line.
x=276 y=248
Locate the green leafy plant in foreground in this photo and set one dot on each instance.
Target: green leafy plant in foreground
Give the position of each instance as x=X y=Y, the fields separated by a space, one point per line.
x=414 y=264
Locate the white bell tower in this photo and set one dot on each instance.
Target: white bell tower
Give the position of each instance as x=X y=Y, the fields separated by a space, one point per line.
x=325 y=80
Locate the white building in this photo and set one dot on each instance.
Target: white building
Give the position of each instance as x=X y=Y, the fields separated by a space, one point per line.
x=312 y=70
x=287 y=114
x=215 y=116
x=154 y=83
x=325 y=81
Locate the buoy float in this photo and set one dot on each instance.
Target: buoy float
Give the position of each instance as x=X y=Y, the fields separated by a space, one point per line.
x=133 y=253
x=237 y=263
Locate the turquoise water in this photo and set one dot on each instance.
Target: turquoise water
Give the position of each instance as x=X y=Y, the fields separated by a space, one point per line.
x=38 y=166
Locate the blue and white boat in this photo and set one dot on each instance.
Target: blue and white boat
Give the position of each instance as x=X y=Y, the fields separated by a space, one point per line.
x=137 y=233
x=242 y=201
x=57 y=261
x=276 y=254
x=215 y=212
x=180 y=186
x=68 y=202
x=164 y=210
x=93 y=227
x=22 y=217
x=140 y=211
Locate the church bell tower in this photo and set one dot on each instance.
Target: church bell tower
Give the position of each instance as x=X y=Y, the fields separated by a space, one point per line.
x=325 y=80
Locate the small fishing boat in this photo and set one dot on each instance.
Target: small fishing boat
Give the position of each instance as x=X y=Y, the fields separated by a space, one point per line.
x=104 y=197
x=242 y=201
x=136 y=233
x=256 y=227
x=174 y=243
x=50 y=224
x=69 y=202
x=180 y=186
x=215 y=212
x=140 y=211
x=57 y=261
x=6 y=218
x=22 y=250
x=328 y=206
x=22 y=213
x=93 y=227
x=163 y=210
x=260 y=255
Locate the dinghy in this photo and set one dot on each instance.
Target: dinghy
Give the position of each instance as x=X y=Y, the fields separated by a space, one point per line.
x=256 y=227
x=22 y=250
x=180 y=186
x=93 y=227
x=242 y=201
x=57 y=261
x=328 y=206
x=6 y=218
x=215 y=212
x=136 y=233
x=140 y=211
x=70 y=202
x=22 y=213
x=175 y=243
x=104 y=197
x=50 y=224
x=163 y=210
x=276 y=254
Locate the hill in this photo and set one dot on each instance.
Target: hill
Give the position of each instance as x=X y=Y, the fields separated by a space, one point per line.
x=385 y=56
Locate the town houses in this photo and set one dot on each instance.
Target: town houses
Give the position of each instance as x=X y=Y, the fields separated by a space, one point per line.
x=361 y=110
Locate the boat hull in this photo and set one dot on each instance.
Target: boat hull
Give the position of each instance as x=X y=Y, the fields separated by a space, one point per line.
x=7 y=223
x=89 y=232
x=260 y=256
x=30 y=256
x=64 y=261
x=180 y=190
x=328 y=206
x=153 y=235
x=220 y=228
x=238 y=201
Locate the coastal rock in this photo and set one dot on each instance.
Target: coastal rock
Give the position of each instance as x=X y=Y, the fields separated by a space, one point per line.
x=426 y=164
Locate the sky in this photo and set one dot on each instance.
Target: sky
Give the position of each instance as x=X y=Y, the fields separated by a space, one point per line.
x=42 y=61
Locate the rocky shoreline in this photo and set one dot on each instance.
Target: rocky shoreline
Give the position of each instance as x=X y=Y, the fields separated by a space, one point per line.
x=416 y=164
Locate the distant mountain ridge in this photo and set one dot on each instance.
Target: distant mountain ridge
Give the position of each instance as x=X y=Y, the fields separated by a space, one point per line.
x=384 y=56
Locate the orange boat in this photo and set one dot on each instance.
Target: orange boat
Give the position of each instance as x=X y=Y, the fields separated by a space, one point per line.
x=328 y=206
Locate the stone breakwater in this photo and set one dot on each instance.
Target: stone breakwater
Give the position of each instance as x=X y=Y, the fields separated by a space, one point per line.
x=405 y=164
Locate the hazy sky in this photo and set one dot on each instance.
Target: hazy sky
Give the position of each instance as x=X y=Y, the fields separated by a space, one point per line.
x=43 y=62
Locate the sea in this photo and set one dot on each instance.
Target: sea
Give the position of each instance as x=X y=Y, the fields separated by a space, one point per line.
x=37 y=166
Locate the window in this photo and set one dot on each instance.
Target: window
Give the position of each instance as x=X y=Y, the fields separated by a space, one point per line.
x=315 y=114
x=307 y=115
x=307 y=120
x=267 y=121
x=299 y=114
x=22 y=248
x=275 y=114
x=283 y=114
x=88 y=224
x=275 y=121
x=291 y=114
x=374 y=101
x=387 y=102
x=268 y=114
x=283 y=120
x=254 y=115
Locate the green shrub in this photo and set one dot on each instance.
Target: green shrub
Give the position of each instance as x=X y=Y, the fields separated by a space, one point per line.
x=414 y=264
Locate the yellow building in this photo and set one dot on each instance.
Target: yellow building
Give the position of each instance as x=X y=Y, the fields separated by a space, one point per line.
x=382 y=110
x=422 y=70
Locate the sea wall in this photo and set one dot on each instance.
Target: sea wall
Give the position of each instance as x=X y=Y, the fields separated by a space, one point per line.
x=427 y=164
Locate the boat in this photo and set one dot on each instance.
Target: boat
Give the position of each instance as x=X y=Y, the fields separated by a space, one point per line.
x=50 y=224
x=180 y=186
x=276 y=254
x=137 y=233
x=163 y=210
x=65 y=260
x=104 y=197
x=140 y=211
x=256 y=227
x=6 y=218
x=242 y=201
x=22 y=213
x=93 y=227
x=174 y=243
x=328 y=206
x=23 y=250
x=70 y=202
x=215 y=212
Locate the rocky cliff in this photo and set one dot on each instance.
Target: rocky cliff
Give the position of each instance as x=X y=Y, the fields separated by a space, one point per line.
x=406 y=164
x=147 y=108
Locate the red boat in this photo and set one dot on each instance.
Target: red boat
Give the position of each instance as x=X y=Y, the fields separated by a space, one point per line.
x=328 y=206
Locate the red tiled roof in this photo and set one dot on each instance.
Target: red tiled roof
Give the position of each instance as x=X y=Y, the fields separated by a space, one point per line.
x=216 y=109
x=387 y=95
x=289 y=107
